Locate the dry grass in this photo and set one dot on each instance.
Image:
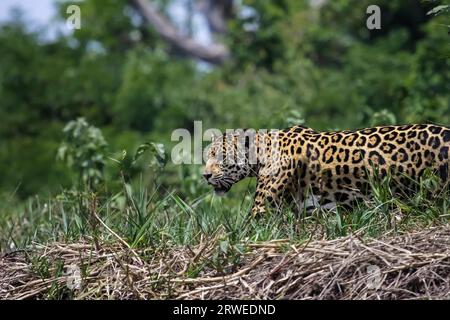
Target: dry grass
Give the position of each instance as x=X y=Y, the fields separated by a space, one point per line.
x=413 y=266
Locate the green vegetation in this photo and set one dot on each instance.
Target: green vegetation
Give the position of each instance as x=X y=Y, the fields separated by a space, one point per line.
x=145 y=217
x=76 y=113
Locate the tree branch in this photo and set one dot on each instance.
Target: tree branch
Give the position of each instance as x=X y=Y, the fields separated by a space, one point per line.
x=215 y=53
x=217 y=13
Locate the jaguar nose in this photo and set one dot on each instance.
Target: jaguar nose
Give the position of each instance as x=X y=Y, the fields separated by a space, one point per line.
x=207 y=176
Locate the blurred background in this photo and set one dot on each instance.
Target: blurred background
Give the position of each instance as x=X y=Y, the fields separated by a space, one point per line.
x=138 y=69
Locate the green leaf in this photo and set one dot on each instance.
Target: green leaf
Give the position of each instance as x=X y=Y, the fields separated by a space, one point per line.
x=156 y=150
x=224 y=246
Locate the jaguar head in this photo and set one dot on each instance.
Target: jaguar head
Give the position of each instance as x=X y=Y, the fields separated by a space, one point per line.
x=228 y=161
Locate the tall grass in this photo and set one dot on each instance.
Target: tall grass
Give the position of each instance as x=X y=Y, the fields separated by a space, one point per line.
x=156 y=217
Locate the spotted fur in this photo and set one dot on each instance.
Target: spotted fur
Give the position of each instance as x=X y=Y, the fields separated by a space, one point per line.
x=312 y=169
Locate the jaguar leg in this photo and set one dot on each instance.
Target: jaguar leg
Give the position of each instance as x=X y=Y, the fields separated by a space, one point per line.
x=270 y=189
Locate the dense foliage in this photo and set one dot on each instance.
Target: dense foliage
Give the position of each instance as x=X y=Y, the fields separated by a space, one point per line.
x=291 y=63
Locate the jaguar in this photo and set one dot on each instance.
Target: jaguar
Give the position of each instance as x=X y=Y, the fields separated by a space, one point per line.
x=308 y=169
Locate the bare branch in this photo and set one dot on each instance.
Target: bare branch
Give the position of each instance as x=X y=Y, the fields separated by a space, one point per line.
x=215 y=53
